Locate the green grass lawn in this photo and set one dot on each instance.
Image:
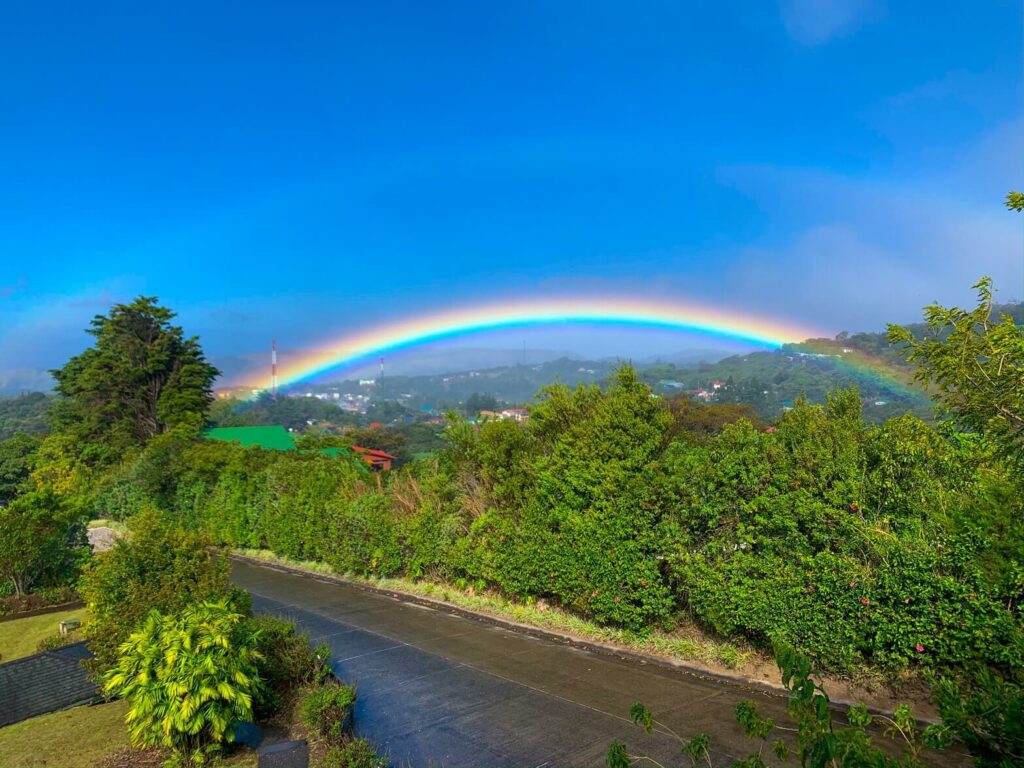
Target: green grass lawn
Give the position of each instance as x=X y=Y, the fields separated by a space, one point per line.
x=20 y=637
x=74 y=738
x=77 y=738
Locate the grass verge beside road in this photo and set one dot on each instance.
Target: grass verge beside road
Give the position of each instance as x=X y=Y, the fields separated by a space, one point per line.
x=685 y=643
x=687 y=647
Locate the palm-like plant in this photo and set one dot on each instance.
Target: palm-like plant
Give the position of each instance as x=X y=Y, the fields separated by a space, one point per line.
x=188 y=679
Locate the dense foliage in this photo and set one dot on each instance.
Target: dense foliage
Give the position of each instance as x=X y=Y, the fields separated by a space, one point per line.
x=290 y=412
x=17 y=458
x=25 y=413
x=140 y=378
x=974 y=360
x=188 y=679
x=157 y=567
x=286 y=660
x=889 y=546
x=892 y=546
x=327 y=711
x=42 y=542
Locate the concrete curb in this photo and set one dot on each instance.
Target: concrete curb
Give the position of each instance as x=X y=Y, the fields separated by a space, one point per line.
x=606 y=649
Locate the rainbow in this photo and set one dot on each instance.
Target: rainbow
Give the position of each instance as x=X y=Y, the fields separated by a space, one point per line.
x=359 y=348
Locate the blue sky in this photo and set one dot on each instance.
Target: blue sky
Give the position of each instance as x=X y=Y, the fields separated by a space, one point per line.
x=299 y=169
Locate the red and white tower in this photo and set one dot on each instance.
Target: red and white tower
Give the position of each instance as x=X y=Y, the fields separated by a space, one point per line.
x=273 y=367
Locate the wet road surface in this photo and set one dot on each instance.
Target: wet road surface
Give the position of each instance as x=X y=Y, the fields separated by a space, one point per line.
x=438 y=689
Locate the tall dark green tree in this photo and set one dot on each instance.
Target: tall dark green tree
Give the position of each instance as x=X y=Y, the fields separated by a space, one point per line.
x=141 y=378
x=17 y=456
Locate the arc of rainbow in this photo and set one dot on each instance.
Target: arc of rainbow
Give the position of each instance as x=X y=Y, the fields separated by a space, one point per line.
x=361 y=347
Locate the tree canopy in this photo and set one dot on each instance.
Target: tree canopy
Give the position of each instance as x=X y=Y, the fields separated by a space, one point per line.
x=141 y=378
x=976 y=364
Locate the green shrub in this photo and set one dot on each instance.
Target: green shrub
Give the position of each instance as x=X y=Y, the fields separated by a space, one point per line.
x=984 y=707
x=358 y=753
x=286 y=661
x=327 y=710
x=158 y=567
x=57 y=640
x=11 y=603
x=188 y=679
x=42 y=541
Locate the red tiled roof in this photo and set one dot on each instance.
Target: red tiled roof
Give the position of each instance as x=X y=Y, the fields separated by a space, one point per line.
x=373 y=452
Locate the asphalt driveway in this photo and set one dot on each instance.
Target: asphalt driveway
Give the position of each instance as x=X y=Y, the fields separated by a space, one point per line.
x=439 y=689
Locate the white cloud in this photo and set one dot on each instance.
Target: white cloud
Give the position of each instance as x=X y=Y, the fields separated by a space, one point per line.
x=814 y=22
x=866 y=252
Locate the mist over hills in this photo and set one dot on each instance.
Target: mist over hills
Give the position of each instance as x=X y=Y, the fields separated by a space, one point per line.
x=435 y=379
x=433 y=361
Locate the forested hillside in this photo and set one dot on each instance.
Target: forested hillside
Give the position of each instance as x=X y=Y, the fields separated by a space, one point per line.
x=24 y=413
x=770 y=381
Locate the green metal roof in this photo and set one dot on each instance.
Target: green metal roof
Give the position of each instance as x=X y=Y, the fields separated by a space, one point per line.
x=335 y=452
x=274 y=438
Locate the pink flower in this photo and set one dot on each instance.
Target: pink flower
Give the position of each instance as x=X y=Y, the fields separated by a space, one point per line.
x=919 y=648
x=865 y=601
x=853 y=584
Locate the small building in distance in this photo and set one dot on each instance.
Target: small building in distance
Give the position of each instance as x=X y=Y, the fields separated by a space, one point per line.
x=379 y=461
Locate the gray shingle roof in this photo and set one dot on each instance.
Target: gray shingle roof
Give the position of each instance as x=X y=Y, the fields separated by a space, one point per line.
x=45 y=682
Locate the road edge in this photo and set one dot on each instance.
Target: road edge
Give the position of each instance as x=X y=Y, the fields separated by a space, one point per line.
x=693 y=669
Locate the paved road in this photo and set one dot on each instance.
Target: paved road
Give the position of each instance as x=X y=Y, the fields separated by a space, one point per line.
x=438 y=689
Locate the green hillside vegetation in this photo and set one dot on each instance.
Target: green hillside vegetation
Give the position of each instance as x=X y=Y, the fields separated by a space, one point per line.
x=290 y=412
x=770 y=381
x=24 y=413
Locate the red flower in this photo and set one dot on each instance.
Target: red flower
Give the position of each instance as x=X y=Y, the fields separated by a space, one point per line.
x=865 y=601
x=501 y=538
x=854 y=507
x=919 y=648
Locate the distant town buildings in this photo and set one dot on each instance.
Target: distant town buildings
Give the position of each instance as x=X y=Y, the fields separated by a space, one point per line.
x=508 y=414
x=516 y=414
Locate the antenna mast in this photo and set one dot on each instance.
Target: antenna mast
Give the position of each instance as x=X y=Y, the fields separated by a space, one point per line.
x=273 y=368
